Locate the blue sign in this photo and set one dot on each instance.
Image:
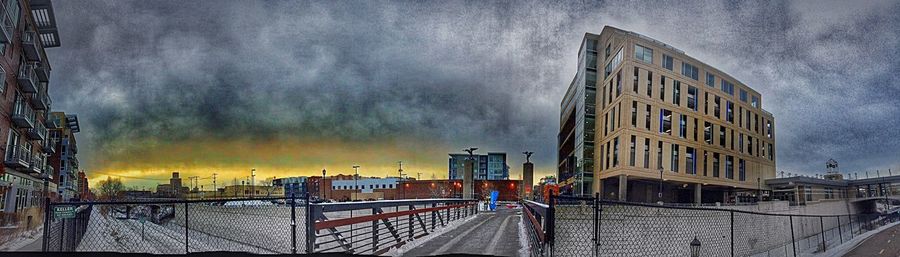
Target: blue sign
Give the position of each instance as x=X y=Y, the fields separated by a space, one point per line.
x=494 y=195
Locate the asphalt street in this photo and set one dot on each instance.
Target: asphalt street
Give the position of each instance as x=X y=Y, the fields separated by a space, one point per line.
x=885 y=243
x=492 y=233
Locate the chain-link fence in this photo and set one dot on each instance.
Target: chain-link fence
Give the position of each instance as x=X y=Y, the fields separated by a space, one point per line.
x=264 y=225
x=591 y=227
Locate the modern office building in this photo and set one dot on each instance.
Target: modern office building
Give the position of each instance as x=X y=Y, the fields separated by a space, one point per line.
x=491 y=166
x=641 y=115
x=26 y=29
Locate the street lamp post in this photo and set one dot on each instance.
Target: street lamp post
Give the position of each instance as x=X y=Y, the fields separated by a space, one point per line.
x=758 y=190
x=323 y=185
x=252 y=182
x=695 y=247
x=660 y=194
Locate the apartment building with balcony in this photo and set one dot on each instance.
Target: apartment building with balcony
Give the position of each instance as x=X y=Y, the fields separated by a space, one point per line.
x=490 y=166
x=27 y=27
x=63 y=160
x=663 y=126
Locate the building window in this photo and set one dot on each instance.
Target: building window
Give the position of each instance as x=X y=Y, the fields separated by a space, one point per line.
x=706 y=103
x=691 y=164
x=749 y=145
x=682 y=132
x=754 y=101
x=710 y=80
x=662 y=88
x=650 y=84
x=771 y=152
x=634 y=114
x=742 y=174
x=688 y=70
x=612 y=119
x=616 y=152
x=728 y=87
x=619 y=83
x=617 y=59
x=716 y=165
x=729 y=111
x=729 y=168
x=741 y=142
x=646 y=153
x=692 y=98
x=696 y=136
x=743 y=96
x=674 y=167
x=633 y=143
x=705 y=154
x=635 y=85
x=707 y=133
x=647 y=121
x=716 y=107
x=676 y=95
x=768 y=129
x=659 y=154
x=665 y=121
x=667 y=62
x=607 y=154
x=643 y=53
x=722 y=136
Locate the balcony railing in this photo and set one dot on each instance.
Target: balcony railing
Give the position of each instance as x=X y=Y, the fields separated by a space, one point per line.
x=31 y=45
x=40 y=101
x=36 y=165
x=28 y=81
x=17 y=157
x=42 y=71
x=7 y=29
x=38 y=132
x=23 y=115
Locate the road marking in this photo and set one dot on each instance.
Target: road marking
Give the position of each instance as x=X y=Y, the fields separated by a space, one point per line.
x=882 y=251
x=459 y=237
x=492 y=246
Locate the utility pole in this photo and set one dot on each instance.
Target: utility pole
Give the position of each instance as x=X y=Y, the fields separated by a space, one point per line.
x=252 y=182
x=323 y=185
x=356 y=179
x=215 y=189
x=418 y=175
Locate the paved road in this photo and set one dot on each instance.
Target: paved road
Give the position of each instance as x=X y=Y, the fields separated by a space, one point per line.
x=885 y=243
x=489 y=234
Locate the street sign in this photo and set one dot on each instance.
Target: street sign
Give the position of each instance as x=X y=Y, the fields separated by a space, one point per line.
x=64 y=212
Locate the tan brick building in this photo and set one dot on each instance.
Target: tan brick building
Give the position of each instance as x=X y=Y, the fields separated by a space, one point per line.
x=639 y=109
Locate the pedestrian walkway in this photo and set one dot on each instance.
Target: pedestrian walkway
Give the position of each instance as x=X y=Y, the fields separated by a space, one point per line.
x=491 y=233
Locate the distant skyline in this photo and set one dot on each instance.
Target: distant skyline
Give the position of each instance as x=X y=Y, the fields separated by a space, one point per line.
x=290 y=87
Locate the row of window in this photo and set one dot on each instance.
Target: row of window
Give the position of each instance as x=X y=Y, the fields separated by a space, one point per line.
x=746 y=118
x=693 y=161
x=667 y=122
x=645 y=54
x=380 y=186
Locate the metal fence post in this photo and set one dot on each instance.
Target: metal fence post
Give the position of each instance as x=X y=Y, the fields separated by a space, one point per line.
x=46 y=225
x=822 y=226
x=732 y=233
x=850 y=217
x=597 y=211
x=793 y=246
x=410 y=223
x=293 y=224
x=186 y=245
x=62 y=234
x=433 y=216
x=311 y=214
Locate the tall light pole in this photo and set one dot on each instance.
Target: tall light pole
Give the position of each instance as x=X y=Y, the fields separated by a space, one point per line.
x=323 y=185
x=252 y=182
x=660 y=183
x=356 y=179
x=215 y=189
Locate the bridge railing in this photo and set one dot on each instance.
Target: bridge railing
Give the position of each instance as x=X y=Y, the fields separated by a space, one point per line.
x=259 y=225
x=376 y=227
x=585 y=226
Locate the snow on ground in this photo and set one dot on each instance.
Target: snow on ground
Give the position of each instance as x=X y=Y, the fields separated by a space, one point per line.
x=398 y=251
x=524 y=249
x=24 y=239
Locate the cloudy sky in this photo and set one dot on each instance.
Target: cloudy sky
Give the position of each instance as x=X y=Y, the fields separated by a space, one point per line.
x=292 y=87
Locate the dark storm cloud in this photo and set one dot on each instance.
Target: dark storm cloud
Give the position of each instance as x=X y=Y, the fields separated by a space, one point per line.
x=489 y=74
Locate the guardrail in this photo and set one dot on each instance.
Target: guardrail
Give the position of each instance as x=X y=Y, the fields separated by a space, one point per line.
x=258 y=225
x=588 y=226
